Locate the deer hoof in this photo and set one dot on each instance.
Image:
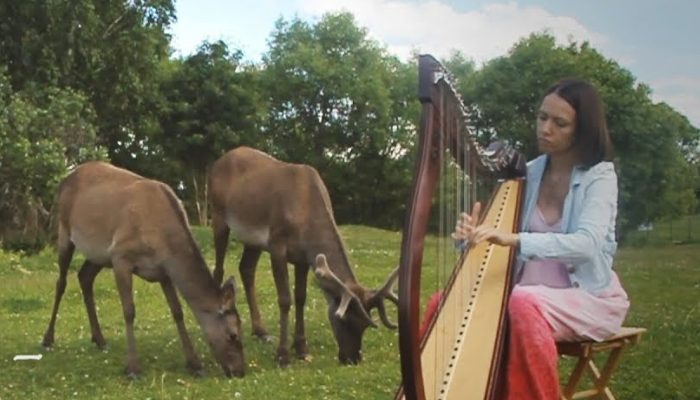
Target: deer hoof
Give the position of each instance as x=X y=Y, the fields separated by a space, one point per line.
x=301 y=349
x=282 y=358
x=133 y=373
x=100 y=342
x=197 y=373
x=195 y=368
x=47 y=343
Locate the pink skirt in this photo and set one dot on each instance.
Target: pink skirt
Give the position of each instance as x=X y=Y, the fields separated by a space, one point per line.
x=576 y=314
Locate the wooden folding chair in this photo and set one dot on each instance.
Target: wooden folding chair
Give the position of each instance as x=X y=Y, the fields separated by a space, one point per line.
x=585 y=351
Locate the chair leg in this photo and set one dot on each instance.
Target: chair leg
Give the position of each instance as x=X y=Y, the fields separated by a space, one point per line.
x=600 y=390
x=603 y=378
x=600 y=379
x=575 y=377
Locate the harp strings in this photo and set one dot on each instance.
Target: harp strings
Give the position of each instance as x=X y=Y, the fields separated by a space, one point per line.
x=441 y=270
x=454 y=195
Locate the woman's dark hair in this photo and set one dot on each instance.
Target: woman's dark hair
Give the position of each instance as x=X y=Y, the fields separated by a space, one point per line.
x=592 y=139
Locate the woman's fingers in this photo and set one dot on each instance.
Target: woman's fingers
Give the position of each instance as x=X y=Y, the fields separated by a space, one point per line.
x=476 y=210
x=461 y=226
x=484 y=232
x=465 y=226
x=480 y=234
x=462 y=232
x=493 y=235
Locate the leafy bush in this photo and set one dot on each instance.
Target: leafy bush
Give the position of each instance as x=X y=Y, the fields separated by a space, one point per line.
x=42 y=133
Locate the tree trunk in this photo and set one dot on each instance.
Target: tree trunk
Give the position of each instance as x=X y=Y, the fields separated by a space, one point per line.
x=200 y=199
x=205 y=202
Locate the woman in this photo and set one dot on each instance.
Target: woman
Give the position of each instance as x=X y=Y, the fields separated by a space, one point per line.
x=565 y=287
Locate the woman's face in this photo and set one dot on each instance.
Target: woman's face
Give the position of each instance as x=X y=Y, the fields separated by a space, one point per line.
x=556 y=126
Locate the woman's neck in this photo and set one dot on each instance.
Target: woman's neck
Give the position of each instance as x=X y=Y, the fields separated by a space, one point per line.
x=561 y=164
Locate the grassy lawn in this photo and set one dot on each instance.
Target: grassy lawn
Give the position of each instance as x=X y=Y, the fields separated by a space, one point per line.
x=663 y=282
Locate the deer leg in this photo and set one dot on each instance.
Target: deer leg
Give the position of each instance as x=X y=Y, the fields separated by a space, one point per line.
x=65 y=255
x=284 y=301
x=86 y=277
x=301 y=272
x=247 y=266
x=123 y=275
x=221 y=234
x=193 y=363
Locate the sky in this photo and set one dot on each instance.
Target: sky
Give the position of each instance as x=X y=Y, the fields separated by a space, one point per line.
x=658 y=41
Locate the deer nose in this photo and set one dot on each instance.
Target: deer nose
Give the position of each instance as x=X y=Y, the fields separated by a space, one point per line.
x=352 y=359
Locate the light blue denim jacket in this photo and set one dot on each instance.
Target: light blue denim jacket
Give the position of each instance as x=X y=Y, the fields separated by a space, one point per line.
x=587 y=244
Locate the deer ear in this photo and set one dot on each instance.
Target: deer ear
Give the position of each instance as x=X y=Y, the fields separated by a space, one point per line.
x=325 y=277
x=228 y=295
x=320 y=261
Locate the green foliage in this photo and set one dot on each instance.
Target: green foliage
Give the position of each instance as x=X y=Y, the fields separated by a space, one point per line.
x=210 y=106
x=662 y=366
x=109 y=51
x=41 y=134
x=339 y=103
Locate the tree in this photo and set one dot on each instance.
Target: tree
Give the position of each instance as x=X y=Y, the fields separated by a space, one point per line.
x=108 y=50
x=339 y=102
x=211 y=105
x=41 y=134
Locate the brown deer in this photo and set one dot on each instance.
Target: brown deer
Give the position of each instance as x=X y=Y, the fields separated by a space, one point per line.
x=138 y=226
x=285 y=209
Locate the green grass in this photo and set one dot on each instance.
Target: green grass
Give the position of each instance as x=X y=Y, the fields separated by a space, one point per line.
x=663 y=283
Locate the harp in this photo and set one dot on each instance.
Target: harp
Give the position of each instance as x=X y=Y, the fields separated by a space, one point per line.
x=459 y=355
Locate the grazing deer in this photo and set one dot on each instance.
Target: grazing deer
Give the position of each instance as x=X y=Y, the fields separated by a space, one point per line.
x=138 y=226
x=285 y=209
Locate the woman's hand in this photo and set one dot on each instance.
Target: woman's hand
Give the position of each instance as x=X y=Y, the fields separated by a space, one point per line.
x=492 y=235
x=466 y=223
x=466 y=229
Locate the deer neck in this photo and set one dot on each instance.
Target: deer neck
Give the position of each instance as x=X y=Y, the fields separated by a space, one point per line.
x=190 y=275
x=331 y=245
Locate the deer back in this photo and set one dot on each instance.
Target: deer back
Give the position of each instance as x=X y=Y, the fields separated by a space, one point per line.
x=266 y=202
x=105 y=209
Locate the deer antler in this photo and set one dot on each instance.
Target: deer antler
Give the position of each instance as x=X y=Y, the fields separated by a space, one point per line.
x=332 y=284
x=386 y=291
x=377 y=299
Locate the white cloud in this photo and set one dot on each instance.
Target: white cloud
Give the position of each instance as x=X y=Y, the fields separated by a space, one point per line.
x=682 y=93
x=437 y=28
